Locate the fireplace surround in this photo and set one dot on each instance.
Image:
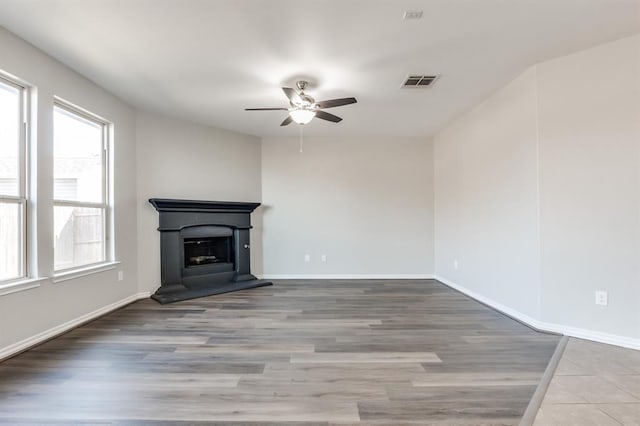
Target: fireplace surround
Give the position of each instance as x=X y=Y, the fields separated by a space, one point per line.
x=204 y=248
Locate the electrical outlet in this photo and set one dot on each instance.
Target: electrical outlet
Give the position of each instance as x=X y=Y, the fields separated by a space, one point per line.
x=602 y=298
x=307 y=258
x=120 y=275
x=323 y=258
x=455 y=264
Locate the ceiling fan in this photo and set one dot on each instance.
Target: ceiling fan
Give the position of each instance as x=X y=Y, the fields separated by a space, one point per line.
x=304 y=107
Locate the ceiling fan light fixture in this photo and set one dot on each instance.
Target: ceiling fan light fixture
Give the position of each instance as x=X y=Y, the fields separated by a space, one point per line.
x=302 y=115
x=302 y=107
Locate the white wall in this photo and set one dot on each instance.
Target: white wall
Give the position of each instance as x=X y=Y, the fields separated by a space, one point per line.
x=590 y=187
x=190 y=161
x=33 y=312
x=549 y=164
x=366 y=203
x=486 y=199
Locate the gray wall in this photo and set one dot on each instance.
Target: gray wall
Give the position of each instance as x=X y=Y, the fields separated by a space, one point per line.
x=486 y=199
x=365 y=203
x=190 y=161
x=589 y=105
x=36 y=311
x=538 y=195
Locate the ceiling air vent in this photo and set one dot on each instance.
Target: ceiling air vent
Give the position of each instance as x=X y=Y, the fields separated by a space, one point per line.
x=419 y=81
x=412 y=14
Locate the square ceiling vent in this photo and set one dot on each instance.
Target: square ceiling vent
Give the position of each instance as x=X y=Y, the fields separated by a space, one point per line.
x=419 y=81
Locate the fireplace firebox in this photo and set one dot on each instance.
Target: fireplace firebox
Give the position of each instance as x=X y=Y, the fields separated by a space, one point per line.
x=203 y=251
x=204 y=248
x=205 y=245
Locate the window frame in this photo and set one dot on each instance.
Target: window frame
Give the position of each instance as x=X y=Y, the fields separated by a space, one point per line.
x=105 y=203
x=22 y=198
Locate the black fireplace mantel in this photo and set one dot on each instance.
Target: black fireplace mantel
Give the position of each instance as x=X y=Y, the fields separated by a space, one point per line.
x=182 y=220
x=170 y=205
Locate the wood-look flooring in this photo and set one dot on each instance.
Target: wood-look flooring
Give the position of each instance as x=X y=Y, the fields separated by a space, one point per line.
x=379 y=352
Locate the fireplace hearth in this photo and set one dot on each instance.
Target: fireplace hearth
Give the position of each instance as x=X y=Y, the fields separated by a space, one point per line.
x=204 y=248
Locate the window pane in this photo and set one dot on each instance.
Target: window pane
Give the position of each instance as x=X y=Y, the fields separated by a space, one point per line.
x=79 y=236
x=9 y=140
x=77 y=158
x=11 y=248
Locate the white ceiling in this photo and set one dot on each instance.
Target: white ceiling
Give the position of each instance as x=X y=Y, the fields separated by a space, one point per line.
x=206 y=60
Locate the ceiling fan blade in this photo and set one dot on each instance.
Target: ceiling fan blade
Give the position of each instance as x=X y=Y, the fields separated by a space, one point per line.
x=287 y=121
x=266 y=109
x=292 y=95
x=331 y=103
x=329 y=117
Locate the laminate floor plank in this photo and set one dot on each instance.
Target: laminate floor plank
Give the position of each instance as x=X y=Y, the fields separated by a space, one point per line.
x=365 y=357
x=300 y=353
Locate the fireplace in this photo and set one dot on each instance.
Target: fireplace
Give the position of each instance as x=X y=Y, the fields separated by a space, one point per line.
x=204 y=248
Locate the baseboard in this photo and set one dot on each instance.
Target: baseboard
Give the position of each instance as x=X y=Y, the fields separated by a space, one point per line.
x=596 y=336
x=347 y=277
x=581 y=333
x=517 y=315
x=25 y=344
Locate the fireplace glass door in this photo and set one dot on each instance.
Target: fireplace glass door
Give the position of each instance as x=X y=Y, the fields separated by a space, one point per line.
x=207 y=251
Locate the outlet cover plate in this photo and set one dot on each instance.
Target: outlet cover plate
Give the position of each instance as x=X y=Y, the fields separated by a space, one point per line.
x=602 y=298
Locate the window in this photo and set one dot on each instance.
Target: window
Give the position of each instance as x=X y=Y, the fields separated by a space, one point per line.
x=80 y=192
x=13 y=187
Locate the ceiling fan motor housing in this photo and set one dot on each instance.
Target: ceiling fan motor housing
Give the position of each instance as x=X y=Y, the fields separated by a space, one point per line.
x=305 y=100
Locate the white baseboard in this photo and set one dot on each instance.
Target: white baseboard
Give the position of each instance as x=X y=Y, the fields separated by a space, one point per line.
x=530 y=321
x=596 y=336
x=348 y=277
x=25 y=344
x=581 y=333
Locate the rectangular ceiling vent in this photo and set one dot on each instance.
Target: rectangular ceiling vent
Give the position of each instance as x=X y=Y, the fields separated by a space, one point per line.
x=419 y=81
x=412 y=14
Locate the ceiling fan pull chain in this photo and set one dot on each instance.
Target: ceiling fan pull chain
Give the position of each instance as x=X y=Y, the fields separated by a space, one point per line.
x=301 y=137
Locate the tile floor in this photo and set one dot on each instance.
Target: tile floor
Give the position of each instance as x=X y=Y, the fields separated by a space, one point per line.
x=594 y=384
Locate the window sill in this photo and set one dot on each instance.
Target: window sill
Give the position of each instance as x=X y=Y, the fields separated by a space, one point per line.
x=22 y=285
x=83 y=272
